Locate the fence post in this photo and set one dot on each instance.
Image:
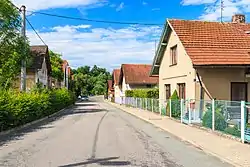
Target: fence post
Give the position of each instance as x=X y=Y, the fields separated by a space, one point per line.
x=182 y=102
x=213 y=115
x=146 y=103
x=136 y=102
x=160 y=106
x=170 y=108
x=152 y=105
x=189 y=111
x=242 y=121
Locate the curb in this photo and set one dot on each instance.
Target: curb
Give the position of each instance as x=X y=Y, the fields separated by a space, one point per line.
x=184 y=139
x=33 y=122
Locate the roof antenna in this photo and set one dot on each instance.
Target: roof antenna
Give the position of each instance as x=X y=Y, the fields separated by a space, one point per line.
x=221 y=10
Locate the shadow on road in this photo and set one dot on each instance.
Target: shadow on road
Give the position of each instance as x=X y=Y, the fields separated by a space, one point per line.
x=18 y=134
x=100 y=161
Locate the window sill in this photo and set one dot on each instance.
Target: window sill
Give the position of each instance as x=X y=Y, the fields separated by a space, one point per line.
x=173 y=65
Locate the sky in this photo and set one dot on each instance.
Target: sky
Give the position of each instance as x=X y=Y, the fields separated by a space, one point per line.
x=110 y=45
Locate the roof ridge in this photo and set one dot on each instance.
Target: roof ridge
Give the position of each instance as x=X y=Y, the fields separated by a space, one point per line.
x=207 y=21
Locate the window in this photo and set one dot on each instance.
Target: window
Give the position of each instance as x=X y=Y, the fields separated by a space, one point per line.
x=168 y=91
x=238 y=91
x=182 y=90
x=173 y=55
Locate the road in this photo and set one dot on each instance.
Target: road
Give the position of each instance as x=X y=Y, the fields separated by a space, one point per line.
x=95 y=133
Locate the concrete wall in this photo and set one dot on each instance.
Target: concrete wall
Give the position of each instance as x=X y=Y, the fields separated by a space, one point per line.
x=217 y=81
x=183 y=72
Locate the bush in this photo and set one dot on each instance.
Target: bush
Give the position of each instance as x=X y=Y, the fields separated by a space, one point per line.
x=19 y=108
x=129 y=93
x=233 y=131
x=220 y=123
x=143 y=93
x=175 y=106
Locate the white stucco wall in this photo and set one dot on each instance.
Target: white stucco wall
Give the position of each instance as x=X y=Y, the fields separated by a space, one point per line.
x=42 y=74
x=183 y=72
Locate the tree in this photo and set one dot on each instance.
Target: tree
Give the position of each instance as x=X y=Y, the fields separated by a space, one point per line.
x=13 y=47
x=91 y=81
x=56 y=63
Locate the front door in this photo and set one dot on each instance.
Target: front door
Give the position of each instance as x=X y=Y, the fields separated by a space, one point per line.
x=239 y=91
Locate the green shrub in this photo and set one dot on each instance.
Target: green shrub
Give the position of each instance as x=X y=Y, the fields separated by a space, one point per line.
x=220 y=123
x=19 y=108
x=175 y=105
x=143 y=93
x=233 y=131
x=129 y=93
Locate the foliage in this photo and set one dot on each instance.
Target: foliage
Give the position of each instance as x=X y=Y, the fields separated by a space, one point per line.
x=91 y=81
x=13 y=47
x=56 y=64
x=175 y=105
x=220 y=123
x=233 y=131
x=19 y=108
x=143 y=93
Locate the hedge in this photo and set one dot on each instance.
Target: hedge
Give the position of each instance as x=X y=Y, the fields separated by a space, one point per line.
x=175 y=106
x=20 y=108
x=143 y=93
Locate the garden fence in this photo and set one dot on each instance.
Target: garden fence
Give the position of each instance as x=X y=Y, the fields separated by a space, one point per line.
x=229 y=117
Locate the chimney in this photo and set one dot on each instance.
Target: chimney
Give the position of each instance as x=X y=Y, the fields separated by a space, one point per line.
x=238 y=18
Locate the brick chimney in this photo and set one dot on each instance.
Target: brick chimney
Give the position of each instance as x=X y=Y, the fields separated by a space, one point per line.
x=238 y=18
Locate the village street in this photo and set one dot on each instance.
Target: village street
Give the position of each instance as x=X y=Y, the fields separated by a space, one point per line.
x=95 y=133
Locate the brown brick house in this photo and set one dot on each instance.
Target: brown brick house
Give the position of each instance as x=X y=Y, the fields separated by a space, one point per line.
x=204 y=60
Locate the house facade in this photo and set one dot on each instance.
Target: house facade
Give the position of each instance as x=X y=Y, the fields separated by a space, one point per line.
x=136 y=76
x=116 y=86
x=39 y=68
x=204 y=60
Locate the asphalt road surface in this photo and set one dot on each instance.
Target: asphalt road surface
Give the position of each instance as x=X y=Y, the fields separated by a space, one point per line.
x=95 y=133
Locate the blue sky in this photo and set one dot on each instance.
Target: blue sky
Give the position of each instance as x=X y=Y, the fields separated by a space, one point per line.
x=109 y=45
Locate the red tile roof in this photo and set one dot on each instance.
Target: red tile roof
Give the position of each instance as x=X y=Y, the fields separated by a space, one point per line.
x=214 y=43
x=116 y=76
x=138 y=74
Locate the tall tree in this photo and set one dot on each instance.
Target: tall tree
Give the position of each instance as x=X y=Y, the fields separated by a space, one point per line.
x=91 y=81
x=56 y=63
x=12 y=44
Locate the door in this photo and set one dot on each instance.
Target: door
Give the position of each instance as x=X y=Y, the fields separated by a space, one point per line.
x=239 y=91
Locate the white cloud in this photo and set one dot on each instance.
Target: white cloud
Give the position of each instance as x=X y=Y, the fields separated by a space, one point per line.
x=101 y=46
x=197 y=2
x=155 y=9
x=212 y=9
x=49 y=4
x=144 y=3
x=120 y=7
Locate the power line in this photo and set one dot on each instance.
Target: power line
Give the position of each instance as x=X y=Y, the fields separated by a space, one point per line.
x=97 y=21
x=36 y=32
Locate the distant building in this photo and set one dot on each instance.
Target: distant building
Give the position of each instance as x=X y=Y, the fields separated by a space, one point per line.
x=39 y=69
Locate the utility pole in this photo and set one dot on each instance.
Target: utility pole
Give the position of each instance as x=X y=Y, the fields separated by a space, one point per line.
x=23 y=67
